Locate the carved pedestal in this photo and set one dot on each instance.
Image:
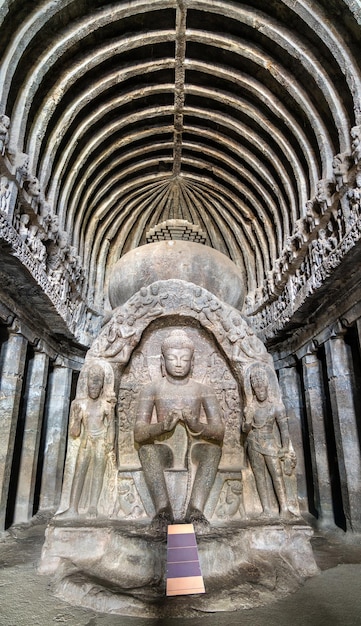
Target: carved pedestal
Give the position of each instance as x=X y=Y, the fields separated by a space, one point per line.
x=118 y=568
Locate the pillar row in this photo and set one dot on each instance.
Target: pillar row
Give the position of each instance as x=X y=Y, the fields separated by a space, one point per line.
x=344 y=420
x=292 y=398
x=34 y=411
x=13 y=367
x=314 y=404
x=57 y=411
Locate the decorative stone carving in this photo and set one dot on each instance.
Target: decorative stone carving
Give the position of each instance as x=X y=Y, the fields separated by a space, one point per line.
x=20 y=161
x=287 y=255
x=26 y=242
x=181 y=360
x=264 y=411
x=341 y=233
x=176 y=229
x=311 y=217
x=341 y=165
x=324 y=194
x=129 y=504
x=32 y=187
x=356 y=143
x=4 y=133
x=34 y=243
x=178 y=399
x=230 y=504
x=23 y=229
x=5 y=194
x=299 y=236
x=51 y=226
x=322 y=247
x=92 y=427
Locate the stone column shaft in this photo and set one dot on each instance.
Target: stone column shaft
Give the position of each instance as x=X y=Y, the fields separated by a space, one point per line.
x=358 y=327
x=57 y=411
x=38 y=373
x=314 y=393
x=14 y=357
x=344 y=419
x=291 y=394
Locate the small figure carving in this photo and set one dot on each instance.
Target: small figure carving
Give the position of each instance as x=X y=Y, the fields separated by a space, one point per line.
x=324 y=194
x=5 y=195
x=299 y=236
x=246 y=345
x=177 y=398
x=34 y=242
x=311 y=219
x=341 y=166
x=92 y=421
x=263 y=412
x=149 y=303
x=21 y=163
x=4 y=133
x=356 y=143
x=268 y=287
x=32 y=187
x=57 y=252
x=24 y=226
x=322 y=247
x=117 y=340
x=231 y=500
x=249 y=304
x=51 y=226
x=128 y=501
x=287 y=255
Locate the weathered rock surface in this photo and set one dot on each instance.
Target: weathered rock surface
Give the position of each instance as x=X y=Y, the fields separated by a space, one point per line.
x=183 y=260
x=121 y=569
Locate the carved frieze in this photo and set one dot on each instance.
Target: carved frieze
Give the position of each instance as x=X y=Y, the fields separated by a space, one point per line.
x=325 y=253
x=28 y=244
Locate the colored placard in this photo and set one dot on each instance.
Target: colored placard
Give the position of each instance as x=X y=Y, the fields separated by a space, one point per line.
x=184 y=576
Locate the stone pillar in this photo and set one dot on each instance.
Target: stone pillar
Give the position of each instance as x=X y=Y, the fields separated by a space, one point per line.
x=57 y=411
x=344 y=419
x=358 y=326
x=37 y=377
x=292 y=398
x=13 y=366
x=314 y=404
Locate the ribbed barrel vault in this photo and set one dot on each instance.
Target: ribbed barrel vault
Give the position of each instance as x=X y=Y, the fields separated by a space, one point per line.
x=225 y=114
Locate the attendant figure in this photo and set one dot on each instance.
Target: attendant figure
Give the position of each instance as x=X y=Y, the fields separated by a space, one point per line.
x=91 y=421
x=265 y=453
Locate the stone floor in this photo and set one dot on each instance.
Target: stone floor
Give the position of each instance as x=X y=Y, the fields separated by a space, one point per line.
x=333 y=598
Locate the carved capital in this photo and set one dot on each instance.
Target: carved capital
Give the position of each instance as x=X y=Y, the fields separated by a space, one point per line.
x=308 y=352
x=6 y=315
x=19 y=327
x=16 y=327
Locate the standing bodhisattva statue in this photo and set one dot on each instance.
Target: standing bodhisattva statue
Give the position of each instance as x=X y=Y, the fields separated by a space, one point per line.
x=265 y=453
x=92 y=421
x=177 y=397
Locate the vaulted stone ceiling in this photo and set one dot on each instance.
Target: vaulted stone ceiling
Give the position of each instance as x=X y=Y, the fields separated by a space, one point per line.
x=226 y=114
